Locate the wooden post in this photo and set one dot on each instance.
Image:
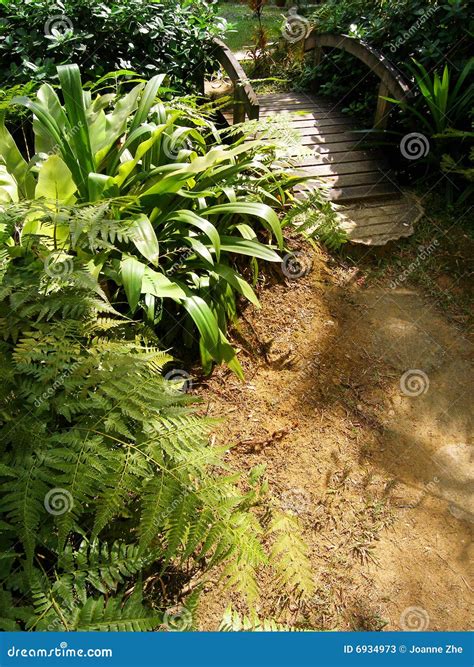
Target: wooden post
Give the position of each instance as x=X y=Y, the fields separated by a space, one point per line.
x=239 y=108
x=383 y=108
x=318 y=55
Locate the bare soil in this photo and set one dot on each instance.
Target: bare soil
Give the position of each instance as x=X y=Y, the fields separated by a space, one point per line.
x=357 y=399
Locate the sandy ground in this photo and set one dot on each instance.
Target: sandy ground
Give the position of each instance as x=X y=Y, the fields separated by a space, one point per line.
x=358 y=401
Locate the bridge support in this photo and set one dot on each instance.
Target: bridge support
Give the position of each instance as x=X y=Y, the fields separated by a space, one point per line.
x=383 y=108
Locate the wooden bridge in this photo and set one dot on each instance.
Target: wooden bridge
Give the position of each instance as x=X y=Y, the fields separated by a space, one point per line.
x=372 y=208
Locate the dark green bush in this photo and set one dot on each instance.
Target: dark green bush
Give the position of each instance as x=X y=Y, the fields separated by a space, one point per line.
x=433 y=33
x=37 y=35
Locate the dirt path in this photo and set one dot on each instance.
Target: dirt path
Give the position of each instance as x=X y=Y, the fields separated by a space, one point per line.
x=358 y=402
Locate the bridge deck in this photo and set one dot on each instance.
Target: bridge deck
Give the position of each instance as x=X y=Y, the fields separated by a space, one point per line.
x=374 y=210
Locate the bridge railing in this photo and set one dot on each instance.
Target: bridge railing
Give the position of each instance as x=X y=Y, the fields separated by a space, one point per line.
x=392 y=84
x=245 y=101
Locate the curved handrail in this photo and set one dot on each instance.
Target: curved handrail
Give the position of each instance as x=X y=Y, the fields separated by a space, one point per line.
x=245 y=99
x=392 y=82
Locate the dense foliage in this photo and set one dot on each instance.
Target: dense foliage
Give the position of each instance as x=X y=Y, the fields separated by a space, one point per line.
x=151 y=198
x=106 y=473
x=142 y=35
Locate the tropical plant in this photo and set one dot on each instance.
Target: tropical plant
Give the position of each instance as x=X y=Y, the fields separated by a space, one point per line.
x=441 y=103
x=108 y=477
x=149 y=196
x=441 y=111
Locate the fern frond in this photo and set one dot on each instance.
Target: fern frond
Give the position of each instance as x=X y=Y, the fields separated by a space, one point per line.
x=289 y=556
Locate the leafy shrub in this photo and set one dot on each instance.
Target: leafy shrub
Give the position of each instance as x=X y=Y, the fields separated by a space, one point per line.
x=441 y=106
x=38 y=35
x=107 y=475
x=169 y=205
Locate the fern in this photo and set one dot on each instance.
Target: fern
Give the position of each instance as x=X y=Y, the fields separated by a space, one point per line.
x=232 y=621
x=315 y=217
x=107 y=471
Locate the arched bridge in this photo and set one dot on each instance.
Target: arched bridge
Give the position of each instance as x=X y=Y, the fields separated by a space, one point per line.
x=372 y=207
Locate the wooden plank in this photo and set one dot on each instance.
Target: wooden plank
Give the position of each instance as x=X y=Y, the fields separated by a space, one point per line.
x=315 y=130
x=379 y=226
x=343 y=168
x=349 y=180
x=363 y=192
x=275 y=97
x=317 y=159
x=297 y=104
x=308 y=111
x=333 y=146
x=338 y=137
x=330 y=124
x=365 y=214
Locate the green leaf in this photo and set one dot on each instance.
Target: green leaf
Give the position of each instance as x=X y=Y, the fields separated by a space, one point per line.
x=14 y=161
x=191 y=218
x=206 y=323
x=55 y=181
x=238 y=283
x=159 y=285
x=254 y=209
x=250 y=248
x=71 y=86
x=132 y=272
x=144 y=238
